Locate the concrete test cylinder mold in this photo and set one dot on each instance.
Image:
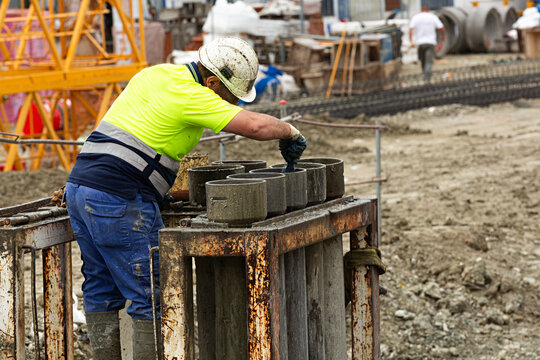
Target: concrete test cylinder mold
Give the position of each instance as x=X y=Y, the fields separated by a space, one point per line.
x=276 y=190
x=316 y=181
x=248 y=164
x=296 y=186
x=237 y=202
x=335 y=180
x=200 y=175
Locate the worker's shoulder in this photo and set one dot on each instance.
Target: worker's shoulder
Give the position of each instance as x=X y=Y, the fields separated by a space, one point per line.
x=165 y=68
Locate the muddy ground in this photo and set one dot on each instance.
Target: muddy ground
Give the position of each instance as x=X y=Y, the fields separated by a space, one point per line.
x=460 y=224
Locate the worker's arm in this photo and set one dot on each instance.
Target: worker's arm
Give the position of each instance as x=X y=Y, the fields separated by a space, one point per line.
x=442 y=34
x=441 y=39
x=259 y=126
x=411 y=37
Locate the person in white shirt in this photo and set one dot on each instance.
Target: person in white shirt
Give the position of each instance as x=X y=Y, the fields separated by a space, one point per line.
x=424 y=27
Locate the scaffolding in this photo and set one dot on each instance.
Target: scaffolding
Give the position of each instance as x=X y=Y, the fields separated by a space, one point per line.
x=62 y=73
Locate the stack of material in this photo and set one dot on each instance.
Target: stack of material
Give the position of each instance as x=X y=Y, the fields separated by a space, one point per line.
x=305 y=63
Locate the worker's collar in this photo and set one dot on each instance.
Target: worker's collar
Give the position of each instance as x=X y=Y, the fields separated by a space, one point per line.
x=194 y=70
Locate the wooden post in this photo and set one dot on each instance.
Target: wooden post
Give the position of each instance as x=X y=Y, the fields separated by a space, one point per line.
x=315 y=300
x=231 y=305
x=295 y=283
x=334 y=305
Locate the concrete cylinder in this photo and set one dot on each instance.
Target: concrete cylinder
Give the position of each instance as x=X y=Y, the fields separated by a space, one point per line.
x=335 y=180
x=236 y=201
x=248 y=164
x=296 y=186
x=483 y=27
x=200 y=175
x=276 y=190
x=316 y=181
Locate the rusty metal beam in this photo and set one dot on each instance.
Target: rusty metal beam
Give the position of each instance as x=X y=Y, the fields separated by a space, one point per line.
x=176 y=297
x=301 y=229
x=365 y=301
x=58 y=304
x=12 y=337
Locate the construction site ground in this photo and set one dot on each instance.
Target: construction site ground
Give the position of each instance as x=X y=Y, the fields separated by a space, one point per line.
x=460 y=225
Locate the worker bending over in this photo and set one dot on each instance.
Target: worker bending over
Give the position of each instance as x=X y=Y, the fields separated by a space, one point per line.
x=130 y=161
x=424 y=26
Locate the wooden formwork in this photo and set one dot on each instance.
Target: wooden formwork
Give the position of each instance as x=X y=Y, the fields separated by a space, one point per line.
x=271 y=291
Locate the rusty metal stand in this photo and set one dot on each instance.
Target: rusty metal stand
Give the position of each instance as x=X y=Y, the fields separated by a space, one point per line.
x=261 y=245
x=48 y=230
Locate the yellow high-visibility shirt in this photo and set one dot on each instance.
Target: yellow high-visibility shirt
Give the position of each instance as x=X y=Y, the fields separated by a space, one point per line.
x=167 y=108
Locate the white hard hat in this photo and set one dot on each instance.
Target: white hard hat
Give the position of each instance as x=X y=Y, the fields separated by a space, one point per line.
x=234 y=62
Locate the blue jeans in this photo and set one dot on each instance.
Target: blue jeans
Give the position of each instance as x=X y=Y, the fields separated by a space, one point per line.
x=115 y=236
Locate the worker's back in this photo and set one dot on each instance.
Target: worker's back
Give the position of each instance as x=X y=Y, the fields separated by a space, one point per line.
x=425 y=27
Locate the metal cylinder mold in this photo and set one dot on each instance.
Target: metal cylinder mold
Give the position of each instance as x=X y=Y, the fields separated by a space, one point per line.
x=276 y=190
x=248 y=164
x=296 y=186
x=335 y=180
x=236 y=201
x=200 y=175
x=316 y=181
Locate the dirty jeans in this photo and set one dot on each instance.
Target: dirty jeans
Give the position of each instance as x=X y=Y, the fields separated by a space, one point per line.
x=426 y=54
x=115 y=236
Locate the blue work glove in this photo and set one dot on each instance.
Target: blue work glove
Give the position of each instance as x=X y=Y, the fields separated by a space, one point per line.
x=292 y=148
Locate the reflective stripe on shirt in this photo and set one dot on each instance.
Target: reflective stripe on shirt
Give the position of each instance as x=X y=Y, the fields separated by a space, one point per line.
x=122 y=135
x=131 y=157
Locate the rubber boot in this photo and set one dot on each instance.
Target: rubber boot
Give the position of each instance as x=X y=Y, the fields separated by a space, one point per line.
x=104 y=335
x=143 y=340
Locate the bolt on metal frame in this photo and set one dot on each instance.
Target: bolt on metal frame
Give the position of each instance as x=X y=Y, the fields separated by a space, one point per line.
x=62 y=70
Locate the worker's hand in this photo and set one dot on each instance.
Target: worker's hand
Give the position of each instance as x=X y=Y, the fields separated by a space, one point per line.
x=413 y=44
x=438 y=47
x=292 y=148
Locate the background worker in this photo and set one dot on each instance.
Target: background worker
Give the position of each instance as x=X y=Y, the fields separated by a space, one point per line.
x=424 y=27
x=130 y=161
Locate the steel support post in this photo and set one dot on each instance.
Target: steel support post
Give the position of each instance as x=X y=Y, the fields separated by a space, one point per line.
x=12 y=337
x=176 y=284
x=365 y=298
x=58 y=302
x=262 y=262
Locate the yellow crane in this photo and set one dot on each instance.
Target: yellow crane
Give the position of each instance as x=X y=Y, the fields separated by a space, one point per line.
x=74 y=73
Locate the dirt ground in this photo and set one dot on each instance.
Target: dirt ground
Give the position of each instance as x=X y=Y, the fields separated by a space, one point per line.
x=460 y=220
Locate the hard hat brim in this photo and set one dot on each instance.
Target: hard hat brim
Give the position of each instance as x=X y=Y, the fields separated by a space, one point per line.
x=250 y=96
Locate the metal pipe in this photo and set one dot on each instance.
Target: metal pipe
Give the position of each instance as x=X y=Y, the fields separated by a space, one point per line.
x=154 y=310
x=372 y=181
x=345 y=126
x=34 y=300
x=378 y=174
x=222 y=151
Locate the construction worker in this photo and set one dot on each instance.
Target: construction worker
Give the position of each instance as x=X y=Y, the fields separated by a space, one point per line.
x=130 y=161
x=424 y=26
